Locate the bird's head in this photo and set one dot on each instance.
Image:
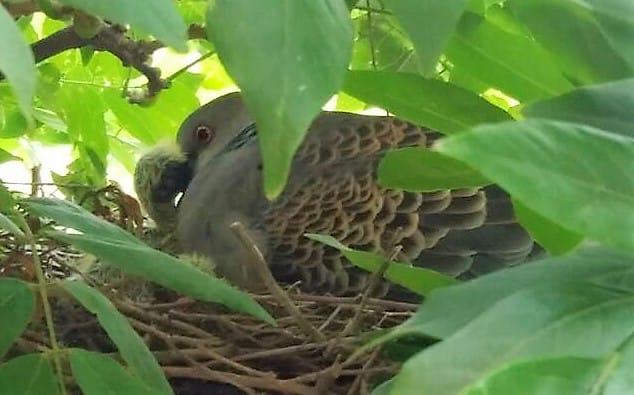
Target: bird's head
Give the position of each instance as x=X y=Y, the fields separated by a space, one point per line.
x=212 y=127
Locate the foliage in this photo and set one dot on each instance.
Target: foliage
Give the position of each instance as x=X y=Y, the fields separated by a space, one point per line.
x=534 y=95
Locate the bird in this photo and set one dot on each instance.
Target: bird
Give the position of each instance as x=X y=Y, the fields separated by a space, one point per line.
x=332 y=189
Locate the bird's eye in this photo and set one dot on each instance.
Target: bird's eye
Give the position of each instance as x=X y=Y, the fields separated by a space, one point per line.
x=204 y=134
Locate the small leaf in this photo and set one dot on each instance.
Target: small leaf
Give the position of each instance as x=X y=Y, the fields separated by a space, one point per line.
x=605 y=106
x=435 y=104
x=560 y=171
x=156 y=17
x=17 y=306
x=98 y=374
x=426 y=171
x=419 y=280
x=30 y=374
x=301 y=49
x=130 y=345
x=429 y=38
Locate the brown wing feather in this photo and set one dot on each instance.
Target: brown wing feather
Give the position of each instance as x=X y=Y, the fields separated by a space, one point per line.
x=333 y=190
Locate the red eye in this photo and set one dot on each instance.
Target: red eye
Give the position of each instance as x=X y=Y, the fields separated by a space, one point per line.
x=204 y=134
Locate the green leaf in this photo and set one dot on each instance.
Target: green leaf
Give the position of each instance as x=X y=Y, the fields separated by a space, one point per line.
x=556 y=376
x=162 y=119
x=385 y=388
x=419 y=280
x=616 y=21
x=19 y=67
x=621 y=379
x=432 y=103
x=130 y=345
x=30 y=374
x=573 y=37
x=99 y=374
x=470 y=299
x=288 y=57
x=159 y=18
x=509 y=62
x=426 y=171
x=17 y=305
x=87 y=125
x=540 y=322
x=7 y=157
x=73 y=216
x=127 y=253
x=558 y=170
x=555 y=239
x=7 y=224
x=12 y=122
x=429 y=38
x=605 y=106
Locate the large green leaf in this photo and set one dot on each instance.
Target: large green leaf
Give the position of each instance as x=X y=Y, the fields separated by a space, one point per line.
x=471 y=298
x=579 y=177
x=509 y=62
x=17 y=304
x=131 y=347
x=431 y=103
x=159 y=18
x=127 y=253
x=556 y=376
x=429 y=38
x=605 y=106
x=573 y=36
x=541 y=322
x=30 y=374
x=426 y=171
x=616 y=18
x=99 y=374
x=17 y=63
x=288 y=57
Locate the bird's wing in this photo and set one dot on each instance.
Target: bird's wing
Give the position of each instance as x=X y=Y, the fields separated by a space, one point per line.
x=333 y=190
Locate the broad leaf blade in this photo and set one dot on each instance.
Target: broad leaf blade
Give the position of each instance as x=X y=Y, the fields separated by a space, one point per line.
x=541 y=322
x=573 y=36
x=301 y=49
x=560 y=171
x=100 y=374
x=506 y=61
x=17 y=63
x=17 y=305
x=30 y=374
x=159 y=18
x=429 y=38
x=435 y=104
x=605 y=106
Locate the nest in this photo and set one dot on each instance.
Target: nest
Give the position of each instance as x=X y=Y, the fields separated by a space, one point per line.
x=204 y=348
